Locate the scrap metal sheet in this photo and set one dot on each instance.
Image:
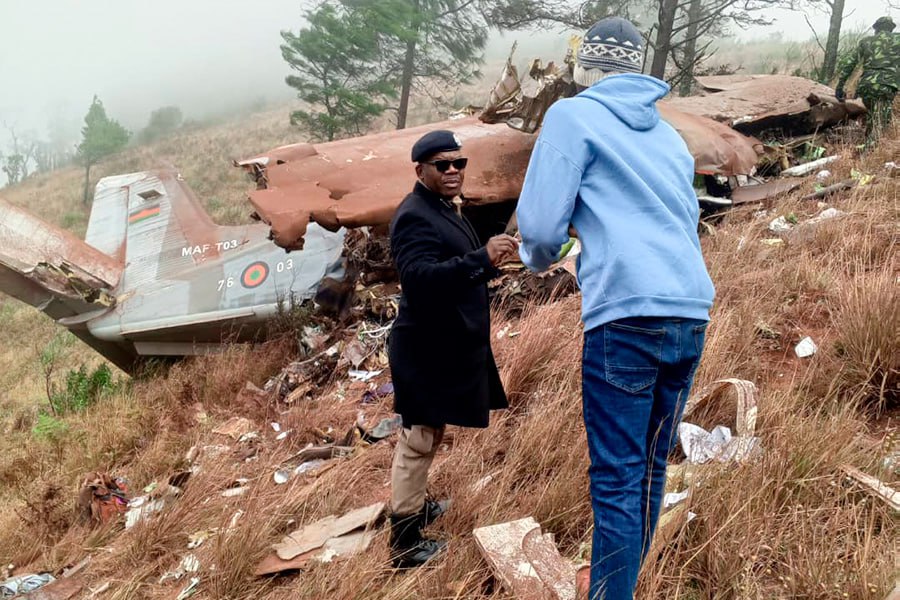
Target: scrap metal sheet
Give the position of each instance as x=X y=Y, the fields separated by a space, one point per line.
x=754 y=103
x=361 y=181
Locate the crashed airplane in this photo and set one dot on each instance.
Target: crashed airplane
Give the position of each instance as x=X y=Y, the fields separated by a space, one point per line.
x=156 y=277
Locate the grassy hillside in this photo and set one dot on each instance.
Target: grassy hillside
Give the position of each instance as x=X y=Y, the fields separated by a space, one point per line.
x=786 y=525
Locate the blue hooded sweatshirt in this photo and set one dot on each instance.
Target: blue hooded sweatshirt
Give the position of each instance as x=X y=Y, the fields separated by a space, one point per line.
x=606 y=163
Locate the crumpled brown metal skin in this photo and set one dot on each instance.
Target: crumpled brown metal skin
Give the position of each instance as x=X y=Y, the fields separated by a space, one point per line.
x=754 y=103
x=361 y=181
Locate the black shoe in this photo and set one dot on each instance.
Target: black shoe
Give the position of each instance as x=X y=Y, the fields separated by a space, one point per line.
x=432 y=510
x=408 y=548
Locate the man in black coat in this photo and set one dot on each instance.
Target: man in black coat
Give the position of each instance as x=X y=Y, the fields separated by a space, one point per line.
x=440 y=346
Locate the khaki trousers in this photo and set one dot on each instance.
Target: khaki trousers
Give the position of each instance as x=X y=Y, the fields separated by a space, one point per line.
x=409 y=472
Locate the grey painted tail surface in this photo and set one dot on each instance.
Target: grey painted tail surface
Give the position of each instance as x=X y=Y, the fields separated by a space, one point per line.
x=155 y=276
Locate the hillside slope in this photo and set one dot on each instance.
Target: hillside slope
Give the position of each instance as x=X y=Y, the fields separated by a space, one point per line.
x=785 y=525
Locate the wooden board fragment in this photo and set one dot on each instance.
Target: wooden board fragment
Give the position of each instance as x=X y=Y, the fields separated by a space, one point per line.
x=531 y=570
x=315 y=535
x=874 y=485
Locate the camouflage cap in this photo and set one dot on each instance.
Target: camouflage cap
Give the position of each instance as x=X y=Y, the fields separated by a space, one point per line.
x=884 y=24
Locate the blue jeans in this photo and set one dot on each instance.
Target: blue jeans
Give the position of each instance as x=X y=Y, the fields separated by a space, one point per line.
x=636 y=376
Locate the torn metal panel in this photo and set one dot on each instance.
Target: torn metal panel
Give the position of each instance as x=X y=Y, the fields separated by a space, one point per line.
x=361 y=181
x=716 y=148
x=764 y=191
x=753 y=104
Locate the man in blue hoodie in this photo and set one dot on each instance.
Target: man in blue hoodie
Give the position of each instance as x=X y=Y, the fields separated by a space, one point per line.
x=607 y=166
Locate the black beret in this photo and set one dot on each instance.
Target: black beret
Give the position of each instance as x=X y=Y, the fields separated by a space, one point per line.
x=433 y=142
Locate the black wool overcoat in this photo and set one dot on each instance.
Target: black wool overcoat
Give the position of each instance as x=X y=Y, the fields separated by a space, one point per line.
x=440 y=345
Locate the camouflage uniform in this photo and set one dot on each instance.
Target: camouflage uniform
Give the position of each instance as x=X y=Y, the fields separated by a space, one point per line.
x=879 y=55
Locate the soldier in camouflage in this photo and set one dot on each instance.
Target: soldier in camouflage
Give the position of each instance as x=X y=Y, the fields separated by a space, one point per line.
x=879 y=56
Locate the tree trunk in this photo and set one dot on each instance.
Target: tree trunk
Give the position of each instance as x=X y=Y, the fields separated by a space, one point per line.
x=834 y=38
x=690 y=47
x=87 y=182
x=663 y=42
x=409 y=64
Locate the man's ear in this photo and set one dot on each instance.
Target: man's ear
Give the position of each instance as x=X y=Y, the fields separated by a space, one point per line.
x=419 y=168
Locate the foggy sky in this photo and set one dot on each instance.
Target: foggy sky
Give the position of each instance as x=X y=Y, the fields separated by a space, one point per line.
x=206 y=56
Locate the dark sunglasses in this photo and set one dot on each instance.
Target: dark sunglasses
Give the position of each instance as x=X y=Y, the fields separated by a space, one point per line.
x=442 y=165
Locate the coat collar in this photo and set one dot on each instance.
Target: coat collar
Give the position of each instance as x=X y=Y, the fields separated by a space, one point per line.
x=447 y=211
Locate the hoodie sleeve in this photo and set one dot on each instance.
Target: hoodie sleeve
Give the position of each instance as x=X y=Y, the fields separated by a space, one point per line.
x=548 y=197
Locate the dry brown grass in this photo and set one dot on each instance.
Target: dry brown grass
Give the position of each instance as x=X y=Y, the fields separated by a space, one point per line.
x=784 y=526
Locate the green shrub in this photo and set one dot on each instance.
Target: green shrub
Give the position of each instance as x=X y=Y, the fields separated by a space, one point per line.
x=83 y=388
x=49 y=428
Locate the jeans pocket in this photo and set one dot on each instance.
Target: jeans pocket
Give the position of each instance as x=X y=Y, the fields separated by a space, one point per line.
x=632 y=356
x=699 y=339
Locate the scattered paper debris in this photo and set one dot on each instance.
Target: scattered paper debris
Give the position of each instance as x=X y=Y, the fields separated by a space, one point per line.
x=527 y=561
x=333 y=549
x=189 y=564
x=805 y=348
x=315 y=535
x=190 y=589
x=701 y=446
x=780 y=225
x=363 y=375
x=140 y=508
x=673 y=498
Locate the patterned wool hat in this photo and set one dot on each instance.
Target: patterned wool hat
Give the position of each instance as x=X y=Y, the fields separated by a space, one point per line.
x=612 y=45
x=884 y=24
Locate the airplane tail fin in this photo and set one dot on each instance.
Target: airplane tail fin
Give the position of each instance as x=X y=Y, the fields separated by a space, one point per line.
x=144 y=220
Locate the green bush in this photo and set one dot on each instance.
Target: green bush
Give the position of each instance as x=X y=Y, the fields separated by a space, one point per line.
x=49 y=428
x=83 y=388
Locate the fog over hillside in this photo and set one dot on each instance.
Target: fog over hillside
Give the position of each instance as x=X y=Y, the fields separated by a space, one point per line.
x=209 y=57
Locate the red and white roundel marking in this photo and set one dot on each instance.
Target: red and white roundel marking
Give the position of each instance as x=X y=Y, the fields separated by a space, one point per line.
x=254 y=274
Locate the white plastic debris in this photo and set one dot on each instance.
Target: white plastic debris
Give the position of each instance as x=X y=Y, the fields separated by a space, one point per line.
x=780 y=225
x=806 y=169
x=828 y=213
x=189 y=564
x=701 y=446
x=283 y=435
x=673 y=498
x=805 y=348
x=140 y=508
x=363 y=375
x=276 y=427
x=310 y=466
x=24 y=584
x=823 y=174
x=190 y=589
x=282 y=476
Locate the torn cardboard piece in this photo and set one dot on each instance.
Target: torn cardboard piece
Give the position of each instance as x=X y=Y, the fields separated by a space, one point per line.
x=333 y=549
x=526 y=561
x=315 y=535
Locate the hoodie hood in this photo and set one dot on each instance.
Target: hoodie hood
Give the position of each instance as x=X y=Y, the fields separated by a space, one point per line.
x=631 y=97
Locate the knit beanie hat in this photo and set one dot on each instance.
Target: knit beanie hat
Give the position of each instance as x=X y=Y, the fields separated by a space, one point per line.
x=611 y=45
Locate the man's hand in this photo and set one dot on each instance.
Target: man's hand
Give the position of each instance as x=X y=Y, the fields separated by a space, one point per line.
x=500 y=247
x=840 y=94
